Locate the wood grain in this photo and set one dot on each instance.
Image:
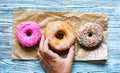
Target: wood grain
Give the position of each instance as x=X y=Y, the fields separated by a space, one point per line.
x=112 y=7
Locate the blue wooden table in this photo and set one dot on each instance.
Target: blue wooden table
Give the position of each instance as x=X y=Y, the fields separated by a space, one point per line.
x=112 y=7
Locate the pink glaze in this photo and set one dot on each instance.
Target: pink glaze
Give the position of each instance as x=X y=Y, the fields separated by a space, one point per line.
x=28 y=34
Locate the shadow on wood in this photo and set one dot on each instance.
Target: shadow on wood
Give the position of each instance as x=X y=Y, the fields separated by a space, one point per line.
x=95 y=62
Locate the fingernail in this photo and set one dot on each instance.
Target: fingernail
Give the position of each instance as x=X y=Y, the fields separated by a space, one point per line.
x=46 y=40
x=73 y=48
x=42 y=36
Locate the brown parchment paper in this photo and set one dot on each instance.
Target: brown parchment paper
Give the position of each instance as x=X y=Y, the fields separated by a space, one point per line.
x=76 y=19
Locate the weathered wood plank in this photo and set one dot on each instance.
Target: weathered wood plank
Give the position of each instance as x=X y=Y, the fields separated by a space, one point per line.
x=7 y=65
x=17 y=66
x=65 y=2
x=59 y=8
x=13 y=66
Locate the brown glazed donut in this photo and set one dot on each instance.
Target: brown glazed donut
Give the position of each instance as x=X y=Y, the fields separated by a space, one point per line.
x=61 y=35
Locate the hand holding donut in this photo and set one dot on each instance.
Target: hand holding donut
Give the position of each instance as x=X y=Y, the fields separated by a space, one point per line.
x=52 y=62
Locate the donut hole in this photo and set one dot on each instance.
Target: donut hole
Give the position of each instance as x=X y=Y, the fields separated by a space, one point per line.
x=29 y=32
x=60 y=34
x=90 y=34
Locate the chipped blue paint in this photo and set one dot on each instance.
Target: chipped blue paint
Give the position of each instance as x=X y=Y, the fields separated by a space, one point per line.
x=112 y=7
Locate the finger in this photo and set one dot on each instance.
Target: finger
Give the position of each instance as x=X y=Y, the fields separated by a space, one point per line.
x=44 y=48
x=46 y=44
x=48 y=52
x=41 y=42
x=51 y=54
x=45 y=65
x=40 y=47
x=39 y=55
x=71 y=53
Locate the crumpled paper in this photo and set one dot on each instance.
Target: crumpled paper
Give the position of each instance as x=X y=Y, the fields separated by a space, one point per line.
x=76 y=19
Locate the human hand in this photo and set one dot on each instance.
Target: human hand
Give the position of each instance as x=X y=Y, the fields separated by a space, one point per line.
x=52 y=62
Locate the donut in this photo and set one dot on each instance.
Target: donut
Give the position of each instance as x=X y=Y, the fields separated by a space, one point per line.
x=61 y=35
x=28 y=34
x=90 y=34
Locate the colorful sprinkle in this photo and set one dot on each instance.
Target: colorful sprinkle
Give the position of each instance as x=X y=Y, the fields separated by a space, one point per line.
x=90 y=34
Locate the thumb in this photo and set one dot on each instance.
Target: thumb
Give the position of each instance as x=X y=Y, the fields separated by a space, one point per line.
x=71 y=53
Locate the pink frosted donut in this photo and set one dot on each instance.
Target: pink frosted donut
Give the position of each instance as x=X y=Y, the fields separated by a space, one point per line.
x=28 y=34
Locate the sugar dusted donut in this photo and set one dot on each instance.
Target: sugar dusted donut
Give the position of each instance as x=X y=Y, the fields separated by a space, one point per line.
x=90 y=34
x=60 y=35
x=28 y=34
